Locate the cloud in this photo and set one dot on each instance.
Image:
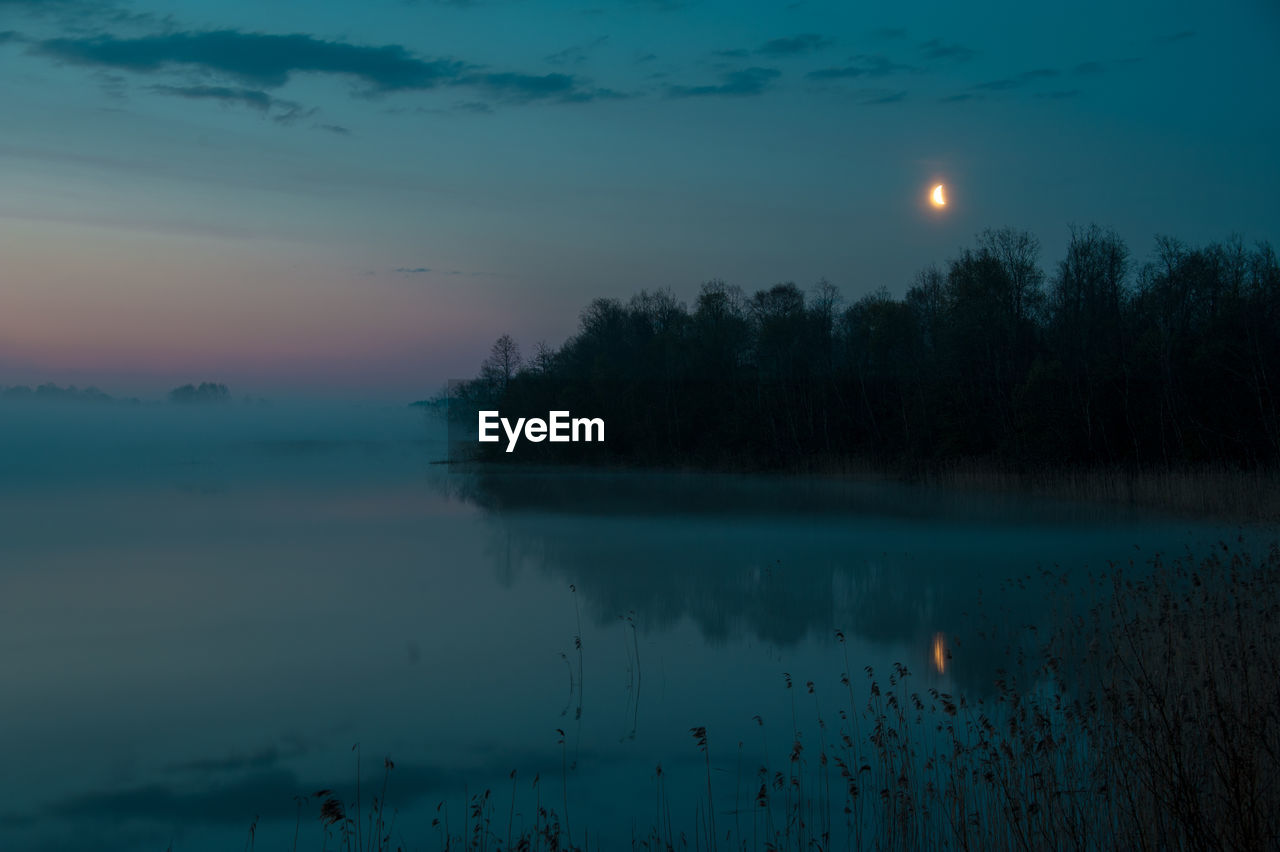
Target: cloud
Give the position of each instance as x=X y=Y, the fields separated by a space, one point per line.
x=280 y=110
x=960 y=98
x=794 y=45
x=37 y=7
x=255 y=98
x=264 y=60
x=886 y=98
x=428 y=270
x=1058 y=95
x=936 y=48
x=1019 y=81
x=663 y=5
x=83 y=15
x=1096 y=67
x=335 y=128
x=575 y=54
x=1182 y=35
x=269 y=61
x=861 y=66
x=891 y=32
x=522 y=86
x=746 y=82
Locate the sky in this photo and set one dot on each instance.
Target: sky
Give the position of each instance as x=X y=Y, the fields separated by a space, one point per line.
x=355 y=199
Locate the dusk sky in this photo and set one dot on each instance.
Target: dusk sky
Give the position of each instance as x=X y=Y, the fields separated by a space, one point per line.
x=355 y=199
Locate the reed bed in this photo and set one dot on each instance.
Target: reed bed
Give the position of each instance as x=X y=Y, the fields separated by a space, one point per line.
x=1150 y=720
x=1210 y=490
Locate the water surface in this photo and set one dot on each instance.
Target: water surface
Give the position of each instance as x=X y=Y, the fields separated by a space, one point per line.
x=203 y=612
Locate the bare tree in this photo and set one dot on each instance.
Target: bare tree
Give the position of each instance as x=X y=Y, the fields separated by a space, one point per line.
x=1017 y=253
x=503 y=362
x=825 y=302
x=544 y=357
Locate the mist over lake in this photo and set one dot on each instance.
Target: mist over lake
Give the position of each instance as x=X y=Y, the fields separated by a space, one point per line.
x=651 y=425
x=204 y=610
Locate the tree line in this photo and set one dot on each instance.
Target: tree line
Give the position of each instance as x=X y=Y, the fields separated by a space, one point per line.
x=205 y=392
x=1100 y=361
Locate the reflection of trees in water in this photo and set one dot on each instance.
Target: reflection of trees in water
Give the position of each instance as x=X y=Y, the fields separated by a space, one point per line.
x=604 y=492
x=770 y=564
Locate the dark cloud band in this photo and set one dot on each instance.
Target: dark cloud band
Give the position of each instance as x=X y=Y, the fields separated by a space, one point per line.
x=743 y=83
x=269 y=61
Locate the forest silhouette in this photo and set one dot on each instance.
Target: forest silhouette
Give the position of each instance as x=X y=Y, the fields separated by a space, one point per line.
x=1102 y=361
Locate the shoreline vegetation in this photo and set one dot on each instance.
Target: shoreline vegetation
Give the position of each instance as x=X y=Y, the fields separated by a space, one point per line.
x=1214 y=492
x=1208 y=491
x=1149 y=720
x=1152 y=384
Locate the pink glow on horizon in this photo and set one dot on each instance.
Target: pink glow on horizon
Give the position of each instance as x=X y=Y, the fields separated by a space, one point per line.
x=108 y=307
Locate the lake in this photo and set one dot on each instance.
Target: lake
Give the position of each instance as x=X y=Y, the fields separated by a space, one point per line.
x=210 y=615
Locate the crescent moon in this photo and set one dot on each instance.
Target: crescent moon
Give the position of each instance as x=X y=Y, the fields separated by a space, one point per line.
x=937 y=197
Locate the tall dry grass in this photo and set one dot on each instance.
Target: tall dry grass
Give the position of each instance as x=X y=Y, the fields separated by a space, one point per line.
x=1208 y=490
x=1150 y=721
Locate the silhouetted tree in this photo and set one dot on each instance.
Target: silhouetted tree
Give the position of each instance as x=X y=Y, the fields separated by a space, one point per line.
x=1087 y=394
x=503 y=362
x=1172 y=361
x=206 y=392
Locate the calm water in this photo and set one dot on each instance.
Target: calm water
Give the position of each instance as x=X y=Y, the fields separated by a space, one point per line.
x=202 y=614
